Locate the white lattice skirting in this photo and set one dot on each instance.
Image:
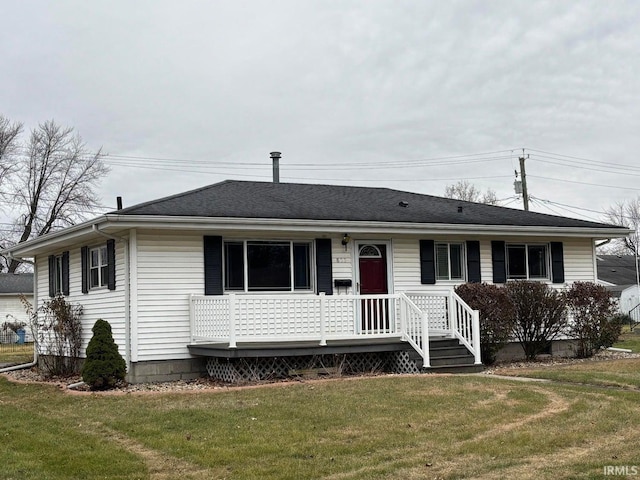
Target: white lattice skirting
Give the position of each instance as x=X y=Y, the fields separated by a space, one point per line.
x=241 y=370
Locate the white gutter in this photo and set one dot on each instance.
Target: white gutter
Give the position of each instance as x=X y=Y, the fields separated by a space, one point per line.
x=339 y=226
x=124 y=222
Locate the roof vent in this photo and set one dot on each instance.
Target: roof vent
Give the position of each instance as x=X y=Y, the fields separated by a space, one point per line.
x=275 y=158
x=403 y=204
x=119 y=203
x=459 y=209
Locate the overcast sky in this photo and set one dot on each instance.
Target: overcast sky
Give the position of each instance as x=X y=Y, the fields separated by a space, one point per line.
x=401 y=94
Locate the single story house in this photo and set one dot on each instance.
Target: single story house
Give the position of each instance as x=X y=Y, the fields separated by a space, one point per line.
x=12 y=310
x=619 y=275
x=244 y=276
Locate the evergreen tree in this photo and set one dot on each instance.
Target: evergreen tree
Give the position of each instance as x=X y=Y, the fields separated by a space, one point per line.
x=104 y=367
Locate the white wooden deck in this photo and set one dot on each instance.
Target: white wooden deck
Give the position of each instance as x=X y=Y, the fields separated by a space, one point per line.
x=317 y=319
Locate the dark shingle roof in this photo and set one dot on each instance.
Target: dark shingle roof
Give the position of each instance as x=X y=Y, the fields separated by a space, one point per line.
x=617 y=269
x=243 y=199
x=16 y=283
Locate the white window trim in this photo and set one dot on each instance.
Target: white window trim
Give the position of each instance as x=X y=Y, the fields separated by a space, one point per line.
x=547 y=254
x=102 y=282
x=58 y=276
x=245 y=272
x=463 y=262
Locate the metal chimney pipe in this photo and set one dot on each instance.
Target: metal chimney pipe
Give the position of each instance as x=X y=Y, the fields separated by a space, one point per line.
x=119 y=203
x=275 y=157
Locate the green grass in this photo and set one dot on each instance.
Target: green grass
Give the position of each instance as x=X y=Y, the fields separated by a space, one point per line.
x=393 y=427
x=623 y=373
x=630 y=340
x=16 y=354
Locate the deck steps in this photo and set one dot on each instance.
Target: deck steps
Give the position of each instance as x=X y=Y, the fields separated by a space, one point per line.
x=448 y=356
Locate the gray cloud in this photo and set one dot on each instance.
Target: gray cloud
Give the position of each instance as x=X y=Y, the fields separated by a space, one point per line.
x=340 y=82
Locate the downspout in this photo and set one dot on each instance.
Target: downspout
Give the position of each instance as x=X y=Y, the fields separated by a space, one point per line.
x=35 y=302
x=127 y=281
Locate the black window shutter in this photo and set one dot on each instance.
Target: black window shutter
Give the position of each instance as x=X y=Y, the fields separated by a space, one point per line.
x=324 y=266
x=84 y=266
x=65 y=273
x=52 y=275
x=473 y=261
x=111 y=264
x=213 y=265
x=499 y=263
x=557 y=262
x=427 y=262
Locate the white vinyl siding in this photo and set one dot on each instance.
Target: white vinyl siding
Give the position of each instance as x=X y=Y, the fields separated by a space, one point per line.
x=11 y=308
x=170 y=268
x=98 y=303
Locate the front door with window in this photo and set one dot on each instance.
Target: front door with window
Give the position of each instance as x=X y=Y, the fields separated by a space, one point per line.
x=372 y=264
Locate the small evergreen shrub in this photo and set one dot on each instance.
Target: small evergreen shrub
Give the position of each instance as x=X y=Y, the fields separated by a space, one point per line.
x=593 y=323
x=539 y=315
x=496 y=316
x=104 y=367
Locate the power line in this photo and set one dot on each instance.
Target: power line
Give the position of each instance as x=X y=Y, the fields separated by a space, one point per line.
x=584 y=183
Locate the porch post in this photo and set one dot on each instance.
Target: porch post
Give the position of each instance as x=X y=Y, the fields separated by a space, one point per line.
x=476 y=337
x=323 y=306
x=192 y=319
x=232 y=320
x=452 y=311
x=425 y=341
x=403 y=316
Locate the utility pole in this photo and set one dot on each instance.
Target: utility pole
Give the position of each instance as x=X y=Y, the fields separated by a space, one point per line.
x=523 y=176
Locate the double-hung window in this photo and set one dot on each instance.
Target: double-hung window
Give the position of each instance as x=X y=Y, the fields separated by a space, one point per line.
x=449 y=261
x=527 y=262
x=254 y=266
x=98 y=267
x=57 y=275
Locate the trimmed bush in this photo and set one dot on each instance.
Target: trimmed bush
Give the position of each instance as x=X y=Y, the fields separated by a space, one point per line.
x=539 y=315
x=104 y=367
x=496 y=316
x=594 y=323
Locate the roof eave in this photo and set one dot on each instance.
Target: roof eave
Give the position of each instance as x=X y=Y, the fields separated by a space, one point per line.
x=26 y=249
x=121 y=222
x=115 y=222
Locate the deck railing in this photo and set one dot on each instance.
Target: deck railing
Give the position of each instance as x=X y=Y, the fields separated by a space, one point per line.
x=319 y=318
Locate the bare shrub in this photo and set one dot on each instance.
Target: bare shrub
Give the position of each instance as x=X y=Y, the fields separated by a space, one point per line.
x=59 y=331
x=539 y=315
x=594 y=323
x=496 y=316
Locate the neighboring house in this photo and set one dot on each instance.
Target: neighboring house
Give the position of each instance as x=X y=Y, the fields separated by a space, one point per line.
x=256 y=272
x=12 y=310
x=618 y=273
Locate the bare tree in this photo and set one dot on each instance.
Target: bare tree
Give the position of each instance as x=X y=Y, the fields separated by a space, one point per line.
x=53 y=183
x=9 y=133
x=625 y=214
x=464 y=190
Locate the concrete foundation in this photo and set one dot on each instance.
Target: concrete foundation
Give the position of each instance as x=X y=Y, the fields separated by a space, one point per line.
x=559 y=348
x=166 y=370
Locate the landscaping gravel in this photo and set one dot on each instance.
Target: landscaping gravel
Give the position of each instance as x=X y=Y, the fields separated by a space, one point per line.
x=33 y=375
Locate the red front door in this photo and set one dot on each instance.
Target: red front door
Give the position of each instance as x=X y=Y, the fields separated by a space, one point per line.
x=372 y=262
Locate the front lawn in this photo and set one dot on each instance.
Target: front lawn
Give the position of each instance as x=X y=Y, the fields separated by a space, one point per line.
x=624 y=373
x=394 y=427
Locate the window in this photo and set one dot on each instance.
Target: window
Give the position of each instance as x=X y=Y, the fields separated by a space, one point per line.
x=57 y=275
x=98 y=267
x=267 y=266
x=449 y=261
x=528 y=262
